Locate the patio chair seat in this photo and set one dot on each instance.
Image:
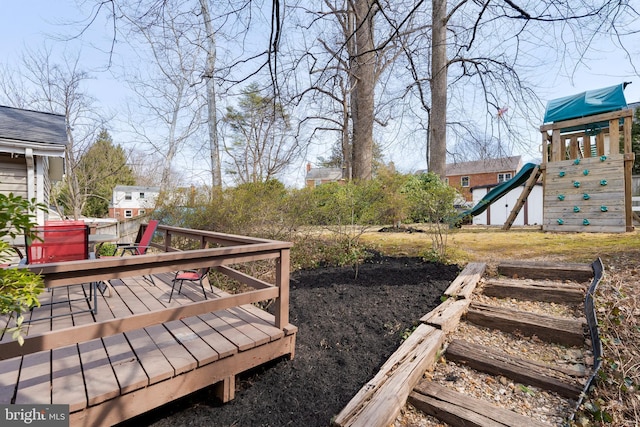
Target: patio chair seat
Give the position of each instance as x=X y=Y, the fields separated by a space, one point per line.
x=191 y=276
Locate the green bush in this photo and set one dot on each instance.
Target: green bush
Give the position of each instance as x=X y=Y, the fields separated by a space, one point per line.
x=326 y=222
x=19 y=288
x=431 y=201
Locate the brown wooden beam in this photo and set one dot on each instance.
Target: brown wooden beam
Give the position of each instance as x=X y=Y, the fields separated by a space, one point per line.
x=524 y=371
x=561 y=330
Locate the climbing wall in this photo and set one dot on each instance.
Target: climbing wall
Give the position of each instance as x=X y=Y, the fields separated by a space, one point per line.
x=585 y=195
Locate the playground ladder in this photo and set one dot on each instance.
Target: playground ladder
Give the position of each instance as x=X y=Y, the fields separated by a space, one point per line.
x=535 y=174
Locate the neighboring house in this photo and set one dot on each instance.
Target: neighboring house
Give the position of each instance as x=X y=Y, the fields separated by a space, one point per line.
x=32 y=150
x=130 y=201
x=319 y=176
x=465 y=175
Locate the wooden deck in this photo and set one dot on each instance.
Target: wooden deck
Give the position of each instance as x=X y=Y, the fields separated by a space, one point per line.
x=117 y=375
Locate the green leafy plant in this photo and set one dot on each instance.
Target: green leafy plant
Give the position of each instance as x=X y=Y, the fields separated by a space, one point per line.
x=19 y=288
x=431 y=201
x=525 y=389
x=407 y=333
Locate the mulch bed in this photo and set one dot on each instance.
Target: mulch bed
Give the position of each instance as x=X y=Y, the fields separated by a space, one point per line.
x=348 y=325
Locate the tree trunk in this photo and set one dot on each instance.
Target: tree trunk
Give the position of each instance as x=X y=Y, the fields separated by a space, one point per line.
x=212 y=119
x=438 y=122
x=363 y=95
x=346 y=139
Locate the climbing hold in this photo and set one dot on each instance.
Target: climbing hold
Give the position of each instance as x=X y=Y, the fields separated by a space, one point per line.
x=560 y=197
x=561 y=174
x=603 y=158
x=585 y=222
x=603 y=182
x=576 y=162
x=576 y=209
x=586 y=196
x=577 y=184
x=585 y=172
x=604 y=208
x=560 y=221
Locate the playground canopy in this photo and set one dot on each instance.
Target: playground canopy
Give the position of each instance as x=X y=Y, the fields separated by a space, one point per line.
x=586 y=104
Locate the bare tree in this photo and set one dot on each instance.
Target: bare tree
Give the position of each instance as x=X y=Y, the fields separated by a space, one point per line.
x=166 y=89
x=260 y=145
x=346 y=65
x=459 y=35
x=44 y=85
x=212 y=118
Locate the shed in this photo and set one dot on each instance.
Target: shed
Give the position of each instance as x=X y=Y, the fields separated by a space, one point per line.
x=498 y=211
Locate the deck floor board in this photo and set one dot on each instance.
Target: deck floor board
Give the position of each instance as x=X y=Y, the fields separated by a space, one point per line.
x=127 y=368
x=67 y=379
x=156 y=366
x=33 y=382
x=100 y=380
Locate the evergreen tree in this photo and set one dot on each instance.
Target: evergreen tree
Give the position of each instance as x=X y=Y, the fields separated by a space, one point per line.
x=100 y=169
x=261 y=145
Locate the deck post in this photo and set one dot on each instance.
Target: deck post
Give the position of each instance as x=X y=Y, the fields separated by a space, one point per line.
x=282 y=282
x=225 y=390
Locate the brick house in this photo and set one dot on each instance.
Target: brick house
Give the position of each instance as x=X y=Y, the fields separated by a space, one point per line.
x=465 y=175
x=319 y=176
x=129 y=201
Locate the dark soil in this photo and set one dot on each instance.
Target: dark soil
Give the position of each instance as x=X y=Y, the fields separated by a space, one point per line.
x=348 y=326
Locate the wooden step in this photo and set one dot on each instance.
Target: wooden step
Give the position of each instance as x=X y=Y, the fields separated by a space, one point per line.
x=458 y=409
x=546 y=270
x=463 y=285
x=561 y=330
x=527 y=372
x=569 y=293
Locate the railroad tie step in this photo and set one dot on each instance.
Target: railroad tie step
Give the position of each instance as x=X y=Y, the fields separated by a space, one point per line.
x=531 y=373
x=569 y=293
x=561 y=330
x=456 y=408
x=578 y=272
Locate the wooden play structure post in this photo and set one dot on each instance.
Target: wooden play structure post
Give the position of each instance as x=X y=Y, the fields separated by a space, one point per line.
x=586 y=164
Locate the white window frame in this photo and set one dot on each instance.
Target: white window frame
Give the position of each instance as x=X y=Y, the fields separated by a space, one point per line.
x=462 y=181
x=505 y=176
x=127 y=195
x=128 y=213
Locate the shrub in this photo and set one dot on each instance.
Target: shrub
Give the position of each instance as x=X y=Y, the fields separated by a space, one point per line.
x=431 y=201
x=19 y=288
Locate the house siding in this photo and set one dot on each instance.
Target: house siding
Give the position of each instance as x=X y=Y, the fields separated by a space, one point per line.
x=475 y=180
x=136 y=205
x=13 y=175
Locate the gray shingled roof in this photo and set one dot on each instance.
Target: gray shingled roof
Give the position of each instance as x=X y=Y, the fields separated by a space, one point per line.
x=32 y=126
x=503 y=164
x=136 y=188
x=333 y=174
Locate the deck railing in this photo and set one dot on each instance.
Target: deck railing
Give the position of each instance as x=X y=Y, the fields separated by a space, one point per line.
x=231 y=250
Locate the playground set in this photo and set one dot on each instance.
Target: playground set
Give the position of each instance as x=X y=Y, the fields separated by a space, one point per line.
x=586 y=165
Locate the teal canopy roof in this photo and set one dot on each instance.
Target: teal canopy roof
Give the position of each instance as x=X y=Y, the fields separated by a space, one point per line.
x=586 y=104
